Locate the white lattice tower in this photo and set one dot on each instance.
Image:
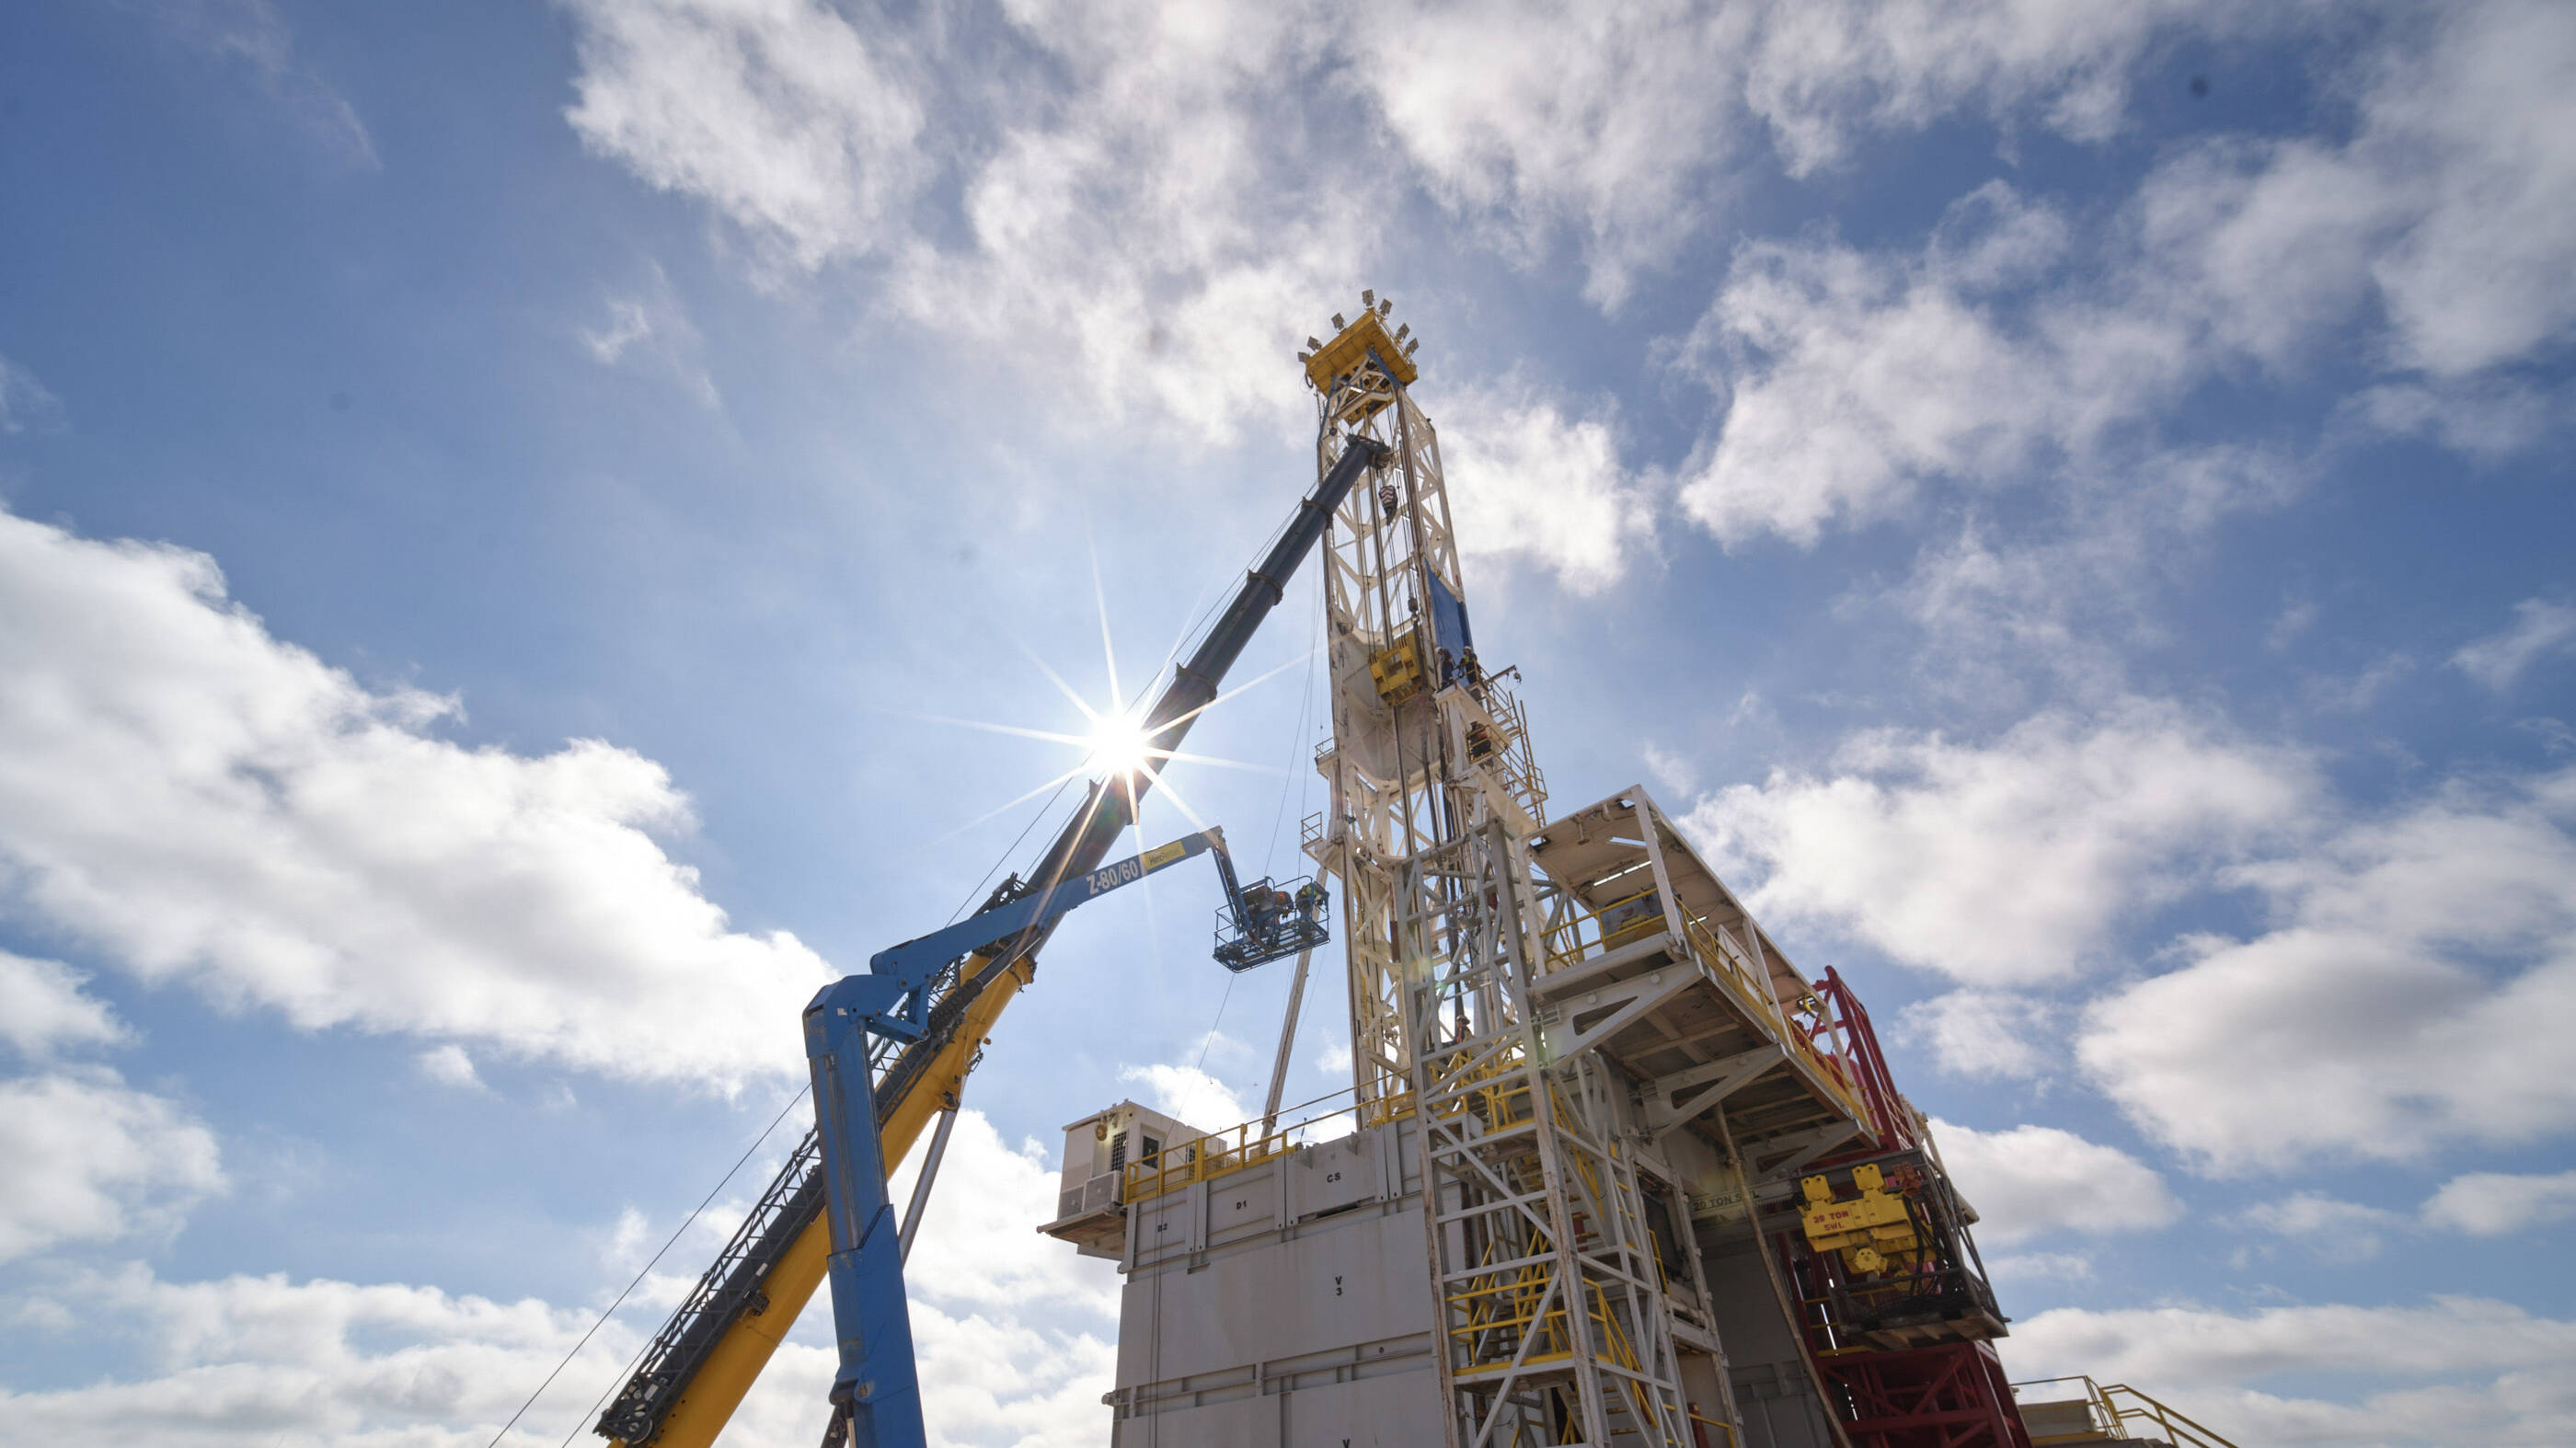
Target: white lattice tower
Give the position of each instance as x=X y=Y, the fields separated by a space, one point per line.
x=1550 y=1311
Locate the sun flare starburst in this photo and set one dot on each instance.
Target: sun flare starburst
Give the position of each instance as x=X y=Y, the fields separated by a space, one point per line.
x=1118 y=745
x=1118 y=752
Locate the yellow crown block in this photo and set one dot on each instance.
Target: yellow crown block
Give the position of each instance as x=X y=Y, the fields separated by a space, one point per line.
x=1351 y=346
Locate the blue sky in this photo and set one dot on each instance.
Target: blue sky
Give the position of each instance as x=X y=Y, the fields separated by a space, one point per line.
x=504 y=505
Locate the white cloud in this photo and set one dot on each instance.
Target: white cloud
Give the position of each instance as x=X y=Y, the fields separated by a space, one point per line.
x=1189 y=1095
x=1152 y=201
x=1156 y=236
x=25 y=403
x=2443 y=232
x=1856 y=377
x=2483 y=273
x=43 y=1009
x=979 y=1249
x=2036 y=1181
x=2417 y=993
x=2456 y=1371
x=1673 y=771
x=1013 y=1333
x=1628 y=126
x=2336 y=1230
x=1981 y=1033
x=779 y=113
x=2005 y=863
x=83 y=1156
x=1992 y=612
x=90 y=1159
x=2066 y=601
x=263 y=1360
x=1607 y=120
x=251 y=1362
x=1824 y=71
x=1137 y=225
x=1530 y=483
x=208 y=805
x=2540 y=630
x=2452 y=208
x=2486 y=417
x=2041 y=1267
x=1000 y=1383
x=448 y=1065
x=1139 y=205
x=649 y=322
x=2493 y=1204
x=252 y=35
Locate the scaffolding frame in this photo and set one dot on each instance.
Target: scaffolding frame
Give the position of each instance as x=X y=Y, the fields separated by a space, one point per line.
x=1549 y=1308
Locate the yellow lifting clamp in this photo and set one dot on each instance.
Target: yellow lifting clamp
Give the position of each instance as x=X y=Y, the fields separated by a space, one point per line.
x=1873 y=1231
x=1397 y=671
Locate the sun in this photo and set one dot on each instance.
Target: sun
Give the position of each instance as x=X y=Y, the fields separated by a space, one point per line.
x=1118 y=744
x=1119 y=749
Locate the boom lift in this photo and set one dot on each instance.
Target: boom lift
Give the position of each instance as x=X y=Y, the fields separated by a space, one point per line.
x=876 y=1398
x=706 y=1357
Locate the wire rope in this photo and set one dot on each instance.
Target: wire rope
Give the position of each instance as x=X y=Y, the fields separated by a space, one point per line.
x=1297 y=746
x=1005 y=857
x=611 y=1310
x=1210 y=1038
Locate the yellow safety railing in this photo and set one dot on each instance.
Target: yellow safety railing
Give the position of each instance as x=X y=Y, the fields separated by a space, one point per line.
x=1516 y=1294
x=2115 y=1418
x=1699 y=1419
x=1734 y=967
x=1222 y=1153
x=1570 y=943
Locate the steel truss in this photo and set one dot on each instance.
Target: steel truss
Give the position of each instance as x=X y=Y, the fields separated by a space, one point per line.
x=1549 y=1304
x=1951 y=1396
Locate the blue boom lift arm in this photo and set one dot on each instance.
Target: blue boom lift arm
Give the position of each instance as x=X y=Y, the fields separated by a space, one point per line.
x=876 y=1397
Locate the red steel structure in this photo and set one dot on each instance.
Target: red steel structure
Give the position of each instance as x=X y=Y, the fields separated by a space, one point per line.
x=1950 y=1396
x=1891 y=1116
x=1926 y=1378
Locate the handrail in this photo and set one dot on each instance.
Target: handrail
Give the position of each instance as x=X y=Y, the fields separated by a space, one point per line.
x=1574 y=948
x=2112 y=1418
x=1224 y=1152
x=2182 y=1430
x=1699 y=1419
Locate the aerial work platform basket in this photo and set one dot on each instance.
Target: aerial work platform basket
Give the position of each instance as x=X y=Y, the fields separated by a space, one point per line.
x=1271 y=920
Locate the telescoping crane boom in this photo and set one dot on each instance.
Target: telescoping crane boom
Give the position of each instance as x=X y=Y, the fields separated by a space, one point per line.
x=706 y=1357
